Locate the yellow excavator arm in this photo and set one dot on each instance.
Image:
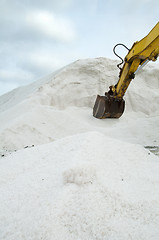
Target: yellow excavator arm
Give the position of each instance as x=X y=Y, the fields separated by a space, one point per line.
x=147 y=49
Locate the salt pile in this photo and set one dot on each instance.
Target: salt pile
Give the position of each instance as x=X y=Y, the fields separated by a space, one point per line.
x=74 y=176
x=41 y=110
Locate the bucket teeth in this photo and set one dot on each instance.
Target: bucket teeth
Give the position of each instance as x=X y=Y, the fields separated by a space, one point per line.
x=108 y=107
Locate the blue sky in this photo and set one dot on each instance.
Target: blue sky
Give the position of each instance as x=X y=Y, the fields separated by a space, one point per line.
x=39 y=36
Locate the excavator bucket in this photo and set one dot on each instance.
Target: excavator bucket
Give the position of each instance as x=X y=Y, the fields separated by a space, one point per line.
x=108 y=107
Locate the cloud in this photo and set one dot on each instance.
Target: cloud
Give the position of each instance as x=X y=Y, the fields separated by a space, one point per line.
x=13 y=78
x=19 y=76
x=41 y=62
x=51 y=25
x=5 y=87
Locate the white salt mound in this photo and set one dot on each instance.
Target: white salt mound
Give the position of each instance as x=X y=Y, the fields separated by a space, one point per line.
x=74 y=176
x=38 y=113
x=85 y=187
x=78 y=84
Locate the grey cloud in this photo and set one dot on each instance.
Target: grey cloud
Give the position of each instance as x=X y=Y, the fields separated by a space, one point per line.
x=22 y=45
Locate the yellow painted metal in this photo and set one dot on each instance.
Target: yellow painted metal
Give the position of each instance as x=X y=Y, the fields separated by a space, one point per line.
x=146 y=49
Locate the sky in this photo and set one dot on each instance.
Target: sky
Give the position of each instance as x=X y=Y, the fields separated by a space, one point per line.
x=38 y=37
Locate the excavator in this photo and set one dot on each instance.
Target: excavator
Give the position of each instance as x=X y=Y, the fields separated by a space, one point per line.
x=112 y=105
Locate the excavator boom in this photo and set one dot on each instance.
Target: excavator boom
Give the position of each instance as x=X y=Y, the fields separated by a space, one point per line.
x=147 y=49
